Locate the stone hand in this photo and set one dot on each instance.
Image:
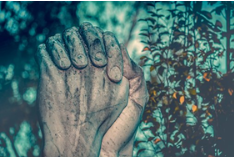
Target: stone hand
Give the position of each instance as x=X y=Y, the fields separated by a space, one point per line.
x=83 y=91
x=119 y=139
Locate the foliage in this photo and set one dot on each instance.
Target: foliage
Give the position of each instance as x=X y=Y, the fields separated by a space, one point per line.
x=191 y=107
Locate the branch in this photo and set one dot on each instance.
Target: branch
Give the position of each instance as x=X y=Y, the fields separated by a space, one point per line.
x=134 y=21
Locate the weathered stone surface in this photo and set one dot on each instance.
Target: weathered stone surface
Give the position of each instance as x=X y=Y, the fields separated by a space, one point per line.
x=91 y=95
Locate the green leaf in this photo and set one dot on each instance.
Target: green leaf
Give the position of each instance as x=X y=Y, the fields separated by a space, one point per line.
x=151 y=4
x=144 y=34
x=151 y=20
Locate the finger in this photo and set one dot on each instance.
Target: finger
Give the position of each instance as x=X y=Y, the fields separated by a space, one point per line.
x=75 y=47
x=43 y=59
x=131 y=69
x=94 y=43
x=58 y=52
x=99 y=31
x=114 y=55
x=134 y=73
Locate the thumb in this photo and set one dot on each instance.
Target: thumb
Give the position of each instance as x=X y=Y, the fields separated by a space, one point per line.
x=134 y=73
x=131 y=69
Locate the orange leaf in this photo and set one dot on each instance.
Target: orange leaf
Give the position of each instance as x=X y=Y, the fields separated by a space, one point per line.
x=145 y=121
x=194 y=108
x=210 y=156
x=188 y=77
x=157 y=140
x=154 y=93
x=230 y=91
x=181 y=99
x=146 y=49
x=205 y=77
x=174 y=95
x=208 y=113
x=153 y=99
x=219 y=138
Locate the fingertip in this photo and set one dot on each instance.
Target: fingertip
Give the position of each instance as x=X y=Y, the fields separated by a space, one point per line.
x=99 y=31
x=98 y=59
x=42 y=58
x=58 y=52
x=41 y=52
x=75 y=48
x=80 y=61
x=115 y=74
x=64 y=63
x=114 y=56
x=94 y=43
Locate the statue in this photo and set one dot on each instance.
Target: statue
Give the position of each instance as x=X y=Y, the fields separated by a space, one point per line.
x=91 y=94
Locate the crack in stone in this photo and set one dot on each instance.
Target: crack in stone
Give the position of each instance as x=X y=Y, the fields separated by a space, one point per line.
x=106 y=108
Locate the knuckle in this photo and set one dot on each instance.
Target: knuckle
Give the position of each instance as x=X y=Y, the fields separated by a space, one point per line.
x=69 y=29
x=57 y=36
x=68 y=32
x=98 y=29
x=41 y=46
x=109 y=33
x=85 y=26
x=51 y=40
x=74 y=28
x=110 y=40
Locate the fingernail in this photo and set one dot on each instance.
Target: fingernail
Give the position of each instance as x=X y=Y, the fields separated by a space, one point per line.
x=42 y=46
x=115 y=73
x=64 y=63
x=80 y=61
x=99 y=56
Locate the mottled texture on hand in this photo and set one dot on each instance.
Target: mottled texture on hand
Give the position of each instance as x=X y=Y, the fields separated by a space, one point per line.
x=91 y=95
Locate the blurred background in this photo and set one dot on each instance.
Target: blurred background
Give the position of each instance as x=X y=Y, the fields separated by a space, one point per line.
x=185 y=48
